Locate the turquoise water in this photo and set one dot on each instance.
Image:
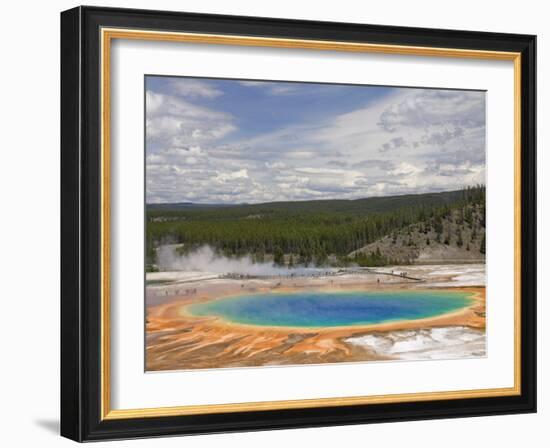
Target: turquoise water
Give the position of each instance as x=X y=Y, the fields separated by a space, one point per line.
x=332 y=309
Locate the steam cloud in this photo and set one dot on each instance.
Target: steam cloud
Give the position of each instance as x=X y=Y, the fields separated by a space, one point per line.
x=205 y=259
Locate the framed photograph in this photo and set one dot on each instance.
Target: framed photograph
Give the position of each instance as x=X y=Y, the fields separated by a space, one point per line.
x=274 y=223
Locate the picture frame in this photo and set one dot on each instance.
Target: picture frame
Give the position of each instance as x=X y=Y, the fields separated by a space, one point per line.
x=87 y=34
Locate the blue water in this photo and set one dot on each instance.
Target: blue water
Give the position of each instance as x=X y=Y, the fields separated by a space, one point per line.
x=332 y=309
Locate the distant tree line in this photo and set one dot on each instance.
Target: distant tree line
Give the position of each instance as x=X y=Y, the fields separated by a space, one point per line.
x=305 y=233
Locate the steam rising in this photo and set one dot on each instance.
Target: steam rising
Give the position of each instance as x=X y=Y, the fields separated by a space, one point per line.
x=205 y=259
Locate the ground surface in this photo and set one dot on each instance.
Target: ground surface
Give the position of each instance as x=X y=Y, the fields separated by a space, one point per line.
x=177 y=340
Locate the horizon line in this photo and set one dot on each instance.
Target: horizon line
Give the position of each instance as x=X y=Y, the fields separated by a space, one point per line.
x=310 y=200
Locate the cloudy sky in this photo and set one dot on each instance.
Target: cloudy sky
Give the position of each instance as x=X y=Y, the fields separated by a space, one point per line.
x=231 y=141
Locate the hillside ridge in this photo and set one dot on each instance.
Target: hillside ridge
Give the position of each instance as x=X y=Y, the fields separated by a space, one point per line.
x=458 y=237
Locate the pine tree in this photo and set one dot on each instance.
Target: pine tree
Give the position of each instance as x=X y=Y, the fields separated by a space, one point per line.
x=278 y=256
x=291 y=261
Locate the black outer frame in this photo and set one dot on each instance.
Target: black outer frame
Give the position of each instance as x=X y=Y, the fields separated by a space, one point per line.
x=80 y=224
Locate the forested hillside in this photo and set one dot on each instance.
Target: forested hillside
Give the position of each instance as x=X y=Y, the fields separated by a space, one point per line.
x=458 y=236
x=371 y=231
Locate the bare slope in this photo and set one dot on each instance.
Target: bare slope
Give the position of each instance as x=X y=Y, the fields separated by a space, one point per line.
x=457 y=238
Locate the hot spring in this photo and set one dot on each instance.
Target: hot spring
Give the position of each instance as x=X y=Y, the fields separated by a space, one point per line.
x=332 y=309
